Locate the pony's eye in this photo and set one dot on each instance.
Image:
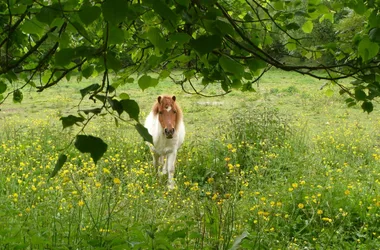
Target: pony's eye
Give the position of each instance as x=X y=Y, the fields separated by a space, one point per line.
x=175 y=111
x=160 y=112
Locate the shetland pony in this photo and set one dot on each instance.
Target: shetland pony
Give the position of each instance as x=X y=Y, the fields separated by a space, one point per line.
x=167 y=128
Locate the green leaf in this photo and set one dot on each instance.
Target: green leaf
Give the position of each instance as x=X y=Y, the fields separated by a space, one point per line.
x=367 y=49
x=115 y=11
x=164 y=74
x=89 y=14
x=95 y=111
x=180 y=234
x=236 y=84
x=292 y=26
x=301 y=13
x=291 y=46
x=115 y=35
x=81 y=30
x=70 y=120
x=224 y=28
x=64 y=41
x=89 y=89
x=17 y=96
x=231 y=66
x=154 y=36
x=3 y=87
x=112 y=62
x=314 y=2
x=116 y=105
x=87 y=71
x=48 y=13
x=374 y=18
x=124 y=96
x=189 y=74
x=359 y=7
x=206 y=44
x=278 y=5
x=225 y=84
x=101 y=98
x=64 y=56
x=32 y=26
x=239 y=240
x=147 y=81
x=367 y=107
x=307 y=27
x=327 y=16
x=180 y=38
x=3 y=6
x=349 y=100
x=360 y=95
x=132 y=108
x=268 y=40
x=16 y=9
x=90 y=144
x=164 y=11
x=184 y=3
x=144 y=133
x=329 y=92
x=374 y=35
x=58 y=165
x=11 y=76
x=255 y=64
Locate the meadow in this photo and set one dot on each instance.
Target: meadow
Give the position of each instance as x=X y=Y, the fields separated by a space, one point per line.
x=288 y=166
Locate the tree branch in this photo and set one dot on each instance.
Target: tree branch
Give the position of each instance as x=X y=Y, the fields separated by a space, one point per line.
x=27 y=54
x=65 y=72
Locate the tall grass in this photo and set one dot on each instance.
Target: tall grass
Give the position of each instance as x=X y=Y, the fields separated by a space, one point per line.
x=261 y=181
x=303 y=176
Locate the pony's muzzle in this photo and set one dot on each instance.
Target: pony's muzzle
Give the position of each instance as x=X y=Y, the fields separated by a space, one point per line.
x=169 y=132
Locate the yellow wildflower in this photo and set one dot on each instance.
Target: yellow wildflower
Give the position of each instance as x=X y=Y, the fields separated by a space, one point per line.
x=327 y=219
x=116 y=181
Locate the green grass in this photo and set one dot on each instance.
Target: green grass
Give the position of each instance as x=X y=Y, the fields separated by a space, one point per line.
x=285 y=167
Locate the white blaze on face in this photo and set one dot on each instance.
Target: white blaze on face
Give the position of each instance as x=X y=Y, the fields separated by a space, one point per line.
x=168 y=108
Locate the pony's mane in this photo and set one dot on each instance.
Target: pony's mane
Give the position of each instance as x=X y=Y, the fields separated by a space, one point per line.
x=168 y=99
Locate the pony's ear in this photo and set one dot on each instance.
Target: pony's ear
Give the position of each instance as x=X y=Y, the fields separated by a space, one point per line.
x=159 y=99
x=155 y=109
x=174 y=98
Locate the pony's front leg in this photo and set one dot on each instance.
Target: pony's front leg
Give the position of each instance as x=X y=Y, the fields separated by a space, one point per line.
x=156 y=160
x=170 y=162
x=164 y=165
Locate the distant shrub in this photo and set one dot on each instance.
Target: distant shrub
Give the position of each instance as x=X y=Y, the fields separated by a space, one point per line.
x=291 y=90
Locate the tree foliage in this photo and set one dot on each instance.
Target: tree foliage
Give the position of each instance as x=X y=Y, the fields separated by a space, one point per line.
x=230 y=43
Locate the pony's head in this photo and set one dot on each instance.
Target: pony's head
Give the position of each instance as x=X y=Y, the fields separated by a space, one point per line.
x=169 y=114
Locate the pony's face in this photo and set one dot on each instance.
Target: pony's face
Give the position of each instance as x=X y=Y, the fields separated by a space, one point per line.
x=167 y=114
